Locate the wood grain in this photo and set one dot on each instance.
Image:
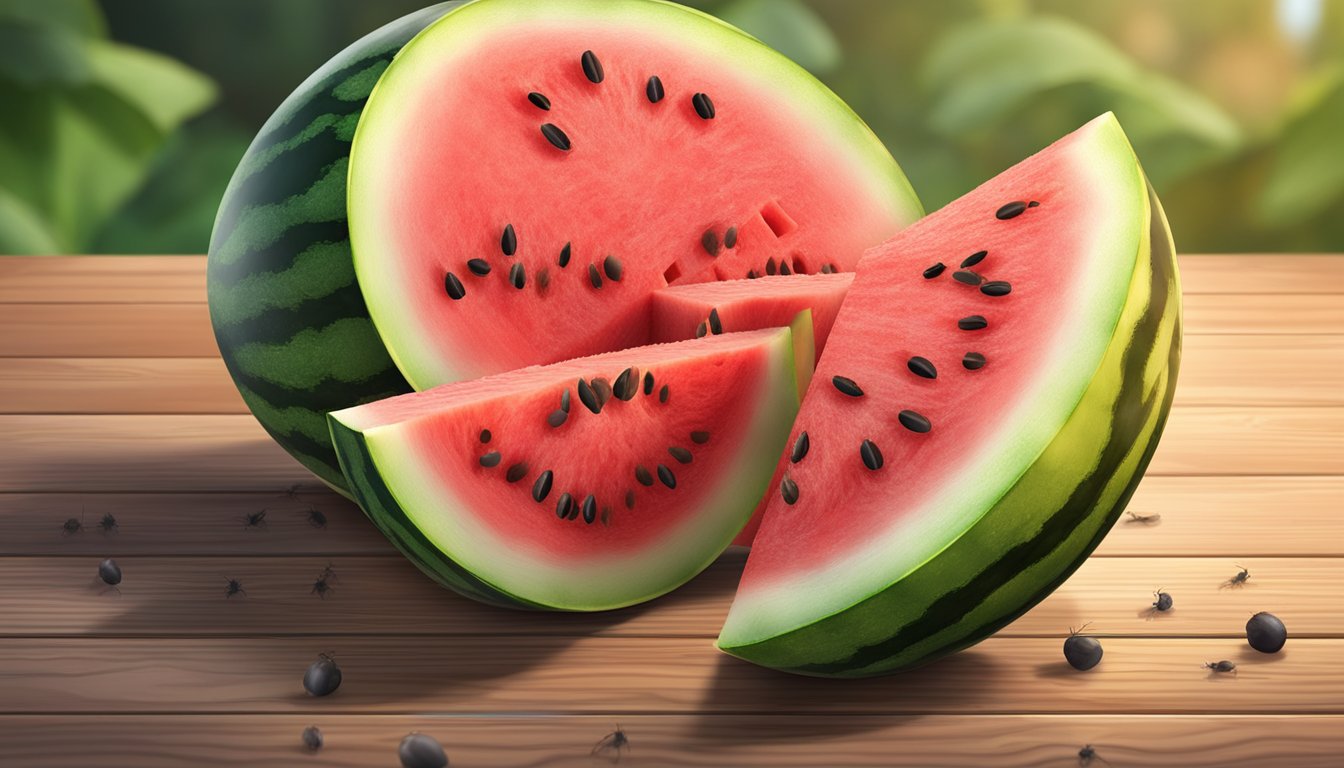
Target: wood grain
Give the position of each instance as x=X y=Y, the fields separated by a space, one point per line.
x=1262 y=370
x=1278 y=273
x=654 y=675
x=1302 y=314
x=102 y=280
x=93 y=385
x=679 y=741
x=174 y=596
x=1230 y=517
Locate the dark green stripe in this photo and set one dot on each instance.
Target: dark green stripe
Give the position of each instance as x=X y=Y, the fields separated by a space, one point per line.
x=956 y=604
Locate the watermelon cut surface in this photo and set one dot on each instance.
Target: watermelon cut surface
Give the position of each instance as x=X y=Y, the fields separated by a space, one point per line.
x=528 y=172
x=531 y=489
x=929 y=512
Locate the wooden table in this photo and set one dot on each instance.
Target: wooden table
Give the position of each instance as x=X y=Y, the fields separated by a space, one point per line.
x=113 y=401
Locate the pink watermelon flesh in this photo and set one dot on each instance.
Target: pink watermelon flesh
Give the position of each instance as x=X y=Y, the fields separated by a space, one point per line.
x=704 y=415
x=450 y=154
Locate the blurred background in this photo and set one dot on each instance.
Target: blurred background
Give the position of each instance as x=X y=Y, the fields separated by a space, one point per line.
x=122 y=120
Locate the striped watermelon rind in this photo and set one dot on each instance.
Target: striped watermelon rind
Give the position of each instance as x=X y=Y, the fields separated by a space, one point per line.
x=1044 y=526
x=289 y=319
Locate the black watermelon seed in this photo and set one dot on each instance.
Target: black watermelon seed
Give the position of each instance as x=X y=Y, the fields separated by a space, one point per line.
x=914 y=422
x=626 y=385
x=715 y=324
x=486 y=436
x=973 y=361
x=557 y=418
x=479 y=267
x=1010 y=210
x=630 y=498
x=542 y=488
x=710 y=242
x=996 y=288
x=751 y=274
x=973 y=259
x=800 y=447
x=871 y=455
x=654 y=89
x=564 y=401
x=563 y=505
x=847 y=386
x=508 y=242
x=544 y=278
x=704 y=107
x=518 y=276
x=539 y=101
x=663 y=393
x=588 y=397
x=648 y=383
x=699 y=437
x=730 y=238
x=573 y=511
x=556 y=136
x=968 y=277
x=490 y=459
x=594 y=276
x=1033 y=204
x=973 y=323
x=605 y=517
x=922 y=367
x=701 y=330
x=934 y=271
x=589 y=509
x=516 y=472
x=825 y=269
x=454 y=287
x=784 y=268
x=665 y=475
x=592 y=68
x=603 y=389
x=612 y=266
x=564 y=256
x=770 y=268
x=643 y=476
x=789 y=490
x=681 y=454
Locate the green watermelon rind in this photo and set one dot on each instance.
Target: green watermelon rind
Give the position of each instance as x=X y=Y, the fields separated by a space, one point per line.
x=1029 y=543
x=289 y=320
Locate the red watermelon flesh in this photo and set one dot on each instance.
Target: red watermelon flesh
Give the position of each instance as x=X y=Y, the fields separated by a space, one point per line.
x=519 y=137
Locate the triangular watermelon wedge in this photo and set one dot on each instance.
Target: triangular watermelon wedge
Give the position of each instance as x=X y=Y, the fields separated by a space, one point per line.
x=988 y=399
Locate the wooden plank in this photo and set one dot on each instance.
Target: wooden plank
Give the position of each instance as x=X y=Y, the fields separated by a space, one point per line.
x=678 y=741
x=186 y=596
x=615 y=676
x=1284 y=273
x=102 y=279
x=1262 y=314
x=1230 y=517
x=233 y=453
x=106 y=330
x=118 y=385
x=1262 y=370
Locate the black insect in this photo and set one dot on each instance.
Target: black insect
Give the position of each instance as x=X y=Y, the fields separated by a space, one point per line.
x=312 y=738
x=1082 y=653
x=323 y=676
x=1220 y=667
x=1266 y=633
x=1135 y=517
x=323 y=584
x=292 y=492
x=109 y=572
x=1241 y=578
x=317 y=518
x=1087 y=754
x=612 y=744
x=72 y=526
x=108 y=524
x=420 y=751
x=1163 y=602
x=235 y=587
x=255 y=520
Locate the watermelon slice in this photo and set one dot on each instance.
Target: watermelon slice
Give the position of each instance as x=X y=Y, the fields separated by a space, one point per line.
x=988 y=399
x=584 y=485
x=526 y=173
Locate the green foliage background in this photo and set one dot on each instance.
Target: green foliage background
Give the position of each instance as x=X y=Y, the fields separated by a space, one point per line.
x=123 y=119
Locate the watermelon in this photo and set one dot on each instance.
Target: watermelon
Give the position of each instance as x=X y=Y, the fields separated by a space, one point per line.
x=289 y=320
x=991 y=392
x=527 y=173
x=584 y=485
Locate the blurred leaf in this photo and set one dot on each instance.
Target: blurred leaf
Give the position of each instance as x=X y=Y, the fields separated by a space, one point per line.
x=164 y=90
x=1307 y=173
x=788 y=26
x=22 y=231
x=31 y=55
x=81 y=17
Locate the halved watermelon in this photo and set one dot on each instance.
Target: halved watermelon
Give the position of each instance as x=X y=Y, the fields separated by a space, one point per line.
x=584 y=485
x=526 y=173
x=991 y=393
